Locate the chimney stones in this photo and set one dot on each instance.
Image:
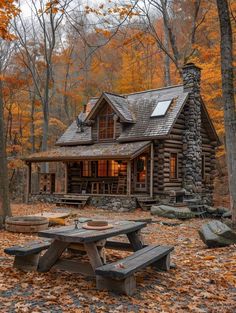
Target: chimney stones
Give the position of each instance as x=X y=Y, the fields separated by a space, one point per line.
x=192 y=141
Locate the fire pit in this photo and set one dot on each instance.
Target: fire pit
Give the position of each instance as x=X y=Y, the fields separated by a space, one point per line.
x=26 y=224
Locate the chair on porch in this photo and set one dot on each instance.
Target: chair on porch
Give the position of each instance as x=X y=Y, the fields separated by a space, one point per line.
x=121 y=185
x=95 y=187
x=106 y=187
x=84 y=187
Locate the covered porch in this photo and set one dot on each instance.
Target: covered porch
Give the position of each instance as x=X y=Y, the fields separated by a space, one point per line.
x=109 y=169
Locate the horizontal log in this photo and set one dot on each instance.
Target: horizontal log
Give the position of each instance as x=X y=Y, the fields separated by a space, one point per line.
x=174 y=146
x=176 y=131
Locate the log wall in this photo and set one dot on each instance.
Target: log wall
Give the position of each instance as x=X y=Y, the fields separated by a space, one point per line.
x=162 y=151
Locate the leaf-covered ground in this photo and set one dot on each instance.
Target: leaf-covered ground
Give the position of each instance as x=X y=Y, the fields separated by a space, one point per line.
x=203 y=281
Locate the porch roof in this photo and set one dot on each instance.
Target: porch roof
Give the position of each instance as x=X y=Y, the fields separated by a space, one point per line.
x=114 y=151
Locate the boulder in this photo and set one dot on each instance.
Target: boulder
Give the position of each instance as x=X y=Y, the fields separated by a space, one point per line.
x=217 y=234
x=171 y=212
x=227 y=214
x=211 y=210
x=222 y=210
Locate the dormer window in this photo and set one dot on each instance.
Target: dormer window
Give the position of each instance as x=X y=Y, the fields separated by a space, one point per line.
x=106 y=123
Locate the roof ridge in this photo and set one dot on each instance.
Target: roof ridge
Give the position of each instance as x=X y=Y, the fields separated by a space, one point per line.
x=114 y=94
x=151 y=90
x=137 y=92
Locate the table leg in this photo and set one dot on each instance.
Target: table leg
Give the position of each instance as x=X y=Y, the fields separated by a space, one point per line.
x=52 y=255
x=94 y=257
x=135 y=240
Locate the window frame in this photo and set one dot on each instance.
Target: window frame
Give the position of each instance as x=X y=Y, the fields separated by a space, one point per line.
x=109 y=168
x=107 y=115
x=87 y=168
x=176 y=176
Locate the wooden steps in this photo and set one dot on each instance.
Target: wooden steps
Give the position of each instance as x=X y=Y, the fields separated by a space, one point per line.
x=73 y=200
x=146 y=203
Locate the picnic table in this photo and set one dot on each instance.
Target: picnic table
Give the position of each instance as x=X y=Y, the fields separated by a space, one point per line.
x=117 y=276
x=91 y=240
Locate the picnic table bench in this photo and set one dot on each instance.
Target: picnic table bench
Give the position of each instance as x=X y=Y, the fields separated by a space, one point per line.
x=119 y=276
x=27 y=255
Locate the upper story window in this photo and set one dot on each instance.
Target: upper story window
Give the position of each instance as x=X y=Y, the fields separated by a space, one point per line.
x=106 y=124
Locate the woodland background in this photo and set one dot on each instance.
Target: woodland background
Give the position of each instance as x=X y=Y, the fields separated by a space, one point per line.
x=63 y=53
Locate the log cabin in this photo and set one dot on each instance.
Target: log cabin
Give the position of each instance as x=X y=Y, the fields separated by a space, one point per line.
x=154 y=144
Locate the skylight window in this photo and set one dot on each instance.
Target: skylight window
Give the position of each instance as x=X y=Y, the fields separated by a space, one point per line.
x=161 y=108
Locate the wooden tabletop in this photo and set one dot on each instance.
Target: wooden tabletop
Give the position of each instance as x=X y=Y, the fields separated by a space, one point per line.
x=80 y=234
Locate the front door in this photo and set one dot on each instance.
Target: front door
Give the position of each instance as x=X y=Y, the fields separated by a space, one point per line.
x=140 y=173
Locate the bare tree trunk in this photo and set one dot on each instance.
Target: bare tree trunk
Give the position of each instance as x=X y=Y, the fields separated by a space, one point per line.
x=167 y=59
x=4 y=196
x=32 y=96
x=32 y=128
x=228 y=98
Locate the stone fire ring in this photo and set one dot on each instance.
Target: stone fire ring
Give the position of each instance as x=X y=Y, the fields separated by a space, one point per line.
x=26 y=224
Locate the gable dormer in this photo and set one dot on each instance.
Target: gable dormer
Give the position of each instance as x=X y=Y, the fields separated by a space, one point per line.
x=107 y=117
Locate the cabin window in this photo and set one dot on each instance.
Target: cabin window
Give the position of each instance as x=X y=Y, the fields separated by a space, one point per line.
x=141 y=169
x=173 y=166
x=102 y=168
x=203 y=167
x=107 y=168
x=87 y=169
x=113 y=168
x=106 y=124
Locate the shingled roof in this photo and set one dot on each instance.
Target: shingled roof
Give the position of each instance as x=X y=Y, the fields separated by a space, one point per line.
x=143 y=104
x=119 y=104
x=114 y=151
x=72 y=136
x=135 y=112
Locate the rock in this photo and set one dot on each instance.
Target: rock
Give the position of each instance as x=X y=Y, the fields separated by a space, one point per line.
x=227 y=214
x=222 y=210
x=211 y=209
x=171 y=212
x=84 y=219
x=217 y=234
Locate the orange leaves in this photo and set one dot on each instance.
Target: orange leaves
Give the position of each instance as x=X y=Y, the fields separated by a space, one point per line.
x=103 y=31
x=52 y=7
x=8 y=10
x=209 y=257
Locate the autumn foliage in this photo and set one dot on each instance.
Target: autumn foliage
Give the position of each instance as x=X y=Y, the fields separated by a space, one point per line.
x=99 y=48
x=7 y=11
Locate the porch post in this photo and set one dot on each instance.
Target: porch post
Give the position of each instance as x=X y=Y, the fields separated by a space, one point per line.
x=66 y=177
x=28 y=182
x=128 y=177
x=151 y=170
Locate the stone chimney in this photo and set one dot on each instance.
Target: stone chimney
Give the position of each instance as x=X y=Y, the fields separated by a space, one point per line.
x=192 y=140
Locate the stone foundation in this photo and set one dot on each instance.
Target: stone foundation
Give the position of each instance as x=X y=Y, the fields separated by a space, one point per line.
x=47 y=198
x=117 y=204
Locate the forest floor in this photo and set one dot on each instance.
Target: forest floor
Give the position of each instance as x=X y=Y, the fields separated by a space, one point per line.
x=203 y=281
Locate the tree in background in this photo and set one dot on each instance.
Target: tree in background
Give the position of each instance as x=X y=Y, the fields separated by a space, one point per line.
x=7 y=11
x=227 y=72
